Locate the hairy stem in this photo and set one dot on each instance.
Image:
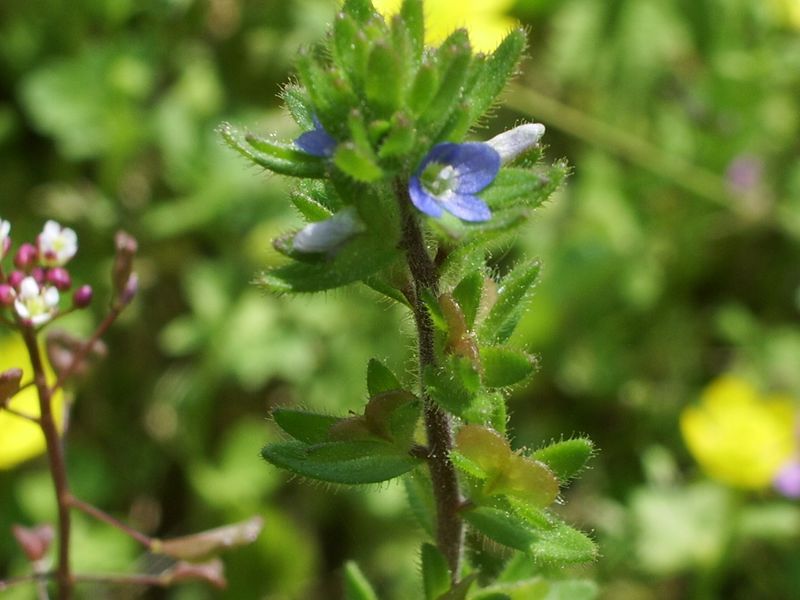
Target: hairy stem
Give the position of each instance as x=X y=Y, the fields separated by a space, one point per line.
x=425 y=275
x=58 y=469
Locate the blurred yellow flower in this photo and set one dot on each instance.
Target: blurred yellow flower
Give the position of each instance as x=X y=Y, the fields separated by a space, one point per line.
x=20 y=439
x=789 y=12
x=486 y=20
x=737 y=436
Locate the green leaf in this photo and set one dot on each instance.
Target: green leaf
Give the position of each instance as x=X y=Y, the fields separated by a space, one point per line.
x=380 y=378
x=350 y=49
x=468 y=295
x=304 y=426
x=536 y=588
x=499 y=67
x=299 y=106
x=453 y=57
x=501 y=526
x=279 y=158
x=435 y=573
x=420 y=500
x=557 y=544
x=561 y=545
x=360 y=10
x=349 y=462
x=513 y=293
x=309 y=207
x=356 y=586
x=360 y=258
x=414 y=20
x=385 y=79
x=503 y=366
x=356 y=163
x=423 y=89
x=400 y=139
x=514 y=187
x=567 y=457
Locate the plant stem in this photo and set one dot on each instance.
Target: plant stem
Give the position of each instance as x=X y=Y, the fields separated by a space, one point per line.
x=55 y=455
x=425 y=275
x=87 y=347
x=100 y=515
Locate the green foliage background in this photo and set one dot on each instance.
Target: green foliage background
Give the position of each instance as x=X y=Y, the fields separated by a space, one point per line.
x=663 y=267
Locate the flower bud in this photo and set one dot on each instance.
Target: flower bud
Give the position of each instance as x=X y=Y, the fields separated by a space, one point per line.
x=328 y=235
x=7 y=294
x=15 y=279
x=130 y=290
x=211 y=572
x=82 y=296
x=34 y=541
x=39 y=274
x=26 y=257
x=59 y=277
x=9 y=384
x=126 y=247
x=514 y=142
x=5 y=238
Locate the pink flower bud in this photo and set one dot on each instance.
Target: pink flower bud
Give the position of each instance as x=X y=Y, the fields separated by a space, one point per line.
x=59 y=277
x=130 y=289
x=34 y=541
x=26 y=257
x=15 y=279
x=7 y=294
x=38 y=273
x=5 y=246
x=9 y=384
x=82 y=296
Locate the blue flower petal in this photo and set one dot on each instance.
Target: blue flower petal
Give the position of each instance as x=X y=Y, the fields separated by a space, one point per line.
x=316 y=142
x=466 y=207
x=477 y=163
x=424 y=201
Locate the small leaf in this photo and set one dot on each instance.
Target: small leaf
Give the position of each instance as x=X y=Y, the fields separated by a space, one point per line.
x=503 y=367
x=423 y=89
x=561 y=545
x=513 y=293
x=380 y=378
x=400 y=139
x=567 y=457
x=453 y=57
x=304 y=426
x=468 y=295
x=279 y=158
x=501 y=526
x=414 y=20
x=499 y=67
x=488 y=449
x=385 y=79
x=360 y=10
x=380 y=408
x=515 y=187
x=420 y=499
x=356 y=586
x=354 y=462
x=435 y=573
x=299 y=106
x=356 y=163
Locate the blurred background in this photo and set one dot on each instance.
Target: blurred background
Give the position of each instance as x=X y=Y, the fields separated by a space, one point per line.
x=670 y=261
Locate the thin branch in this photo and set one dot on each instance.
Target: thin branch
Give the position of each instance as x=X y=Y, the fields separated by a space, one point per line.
x=55 y=455
x=100 y=515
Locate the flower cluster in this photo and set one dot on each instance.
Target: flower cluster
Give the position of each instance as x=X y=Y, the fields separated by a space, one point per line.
x=743 y=439
x=33 y=288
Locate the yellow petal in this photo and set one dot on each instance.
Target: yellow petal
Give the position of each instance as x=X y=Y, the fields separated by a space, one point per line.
x=738 y=437
x=20 y=439
x=485 y=20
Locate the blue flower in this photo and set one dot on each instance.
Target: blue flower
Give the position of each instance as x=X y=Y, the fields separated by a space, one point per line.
x=449 y=178
x=316 y=142
x=451 y=175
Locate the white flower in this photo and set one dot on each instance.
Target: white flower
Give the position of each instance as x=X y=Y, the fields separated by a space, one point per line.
x=328 y=235
x=510 y=144
x=36 y=304
x=56 y=245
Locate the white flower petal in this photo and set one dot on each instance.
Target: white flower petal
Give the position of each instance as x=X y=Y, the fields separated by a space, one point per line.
x=329 y=234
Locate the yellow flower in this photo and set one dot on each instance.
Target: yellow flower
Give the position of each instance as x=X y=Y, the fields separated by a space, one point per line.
x=486 y=20
x=737 y=436
x=788 y=12
x=19 y=438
